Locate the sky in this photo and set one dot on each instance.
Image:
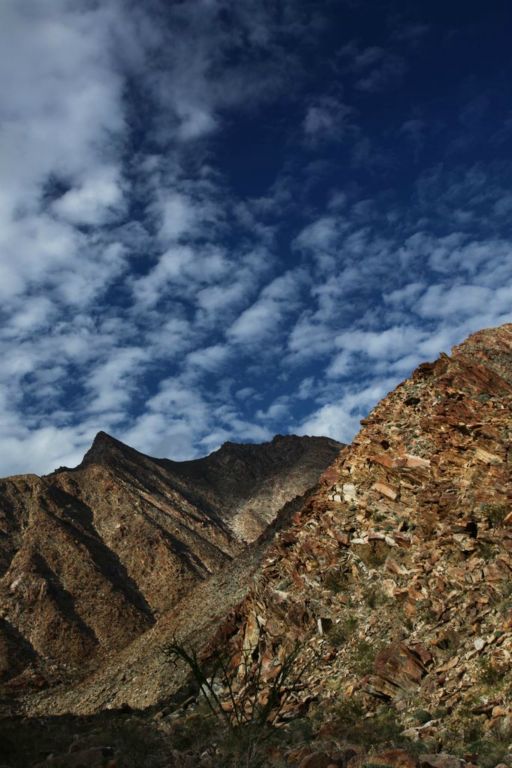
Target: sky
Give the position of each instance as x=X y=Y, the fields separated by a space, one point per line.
x=226 y=219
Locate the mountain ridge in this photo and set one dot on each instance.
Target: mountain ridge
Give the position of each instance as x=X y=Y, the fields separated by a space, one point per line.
x=90 y=557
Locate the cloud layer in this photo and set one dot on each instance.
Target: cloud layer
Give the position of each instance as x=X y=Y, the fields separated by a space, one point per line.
x=203 y=236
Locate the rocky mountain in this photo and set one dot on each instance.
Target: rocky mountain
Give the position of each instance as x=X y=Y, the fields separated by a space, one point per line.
x=383 y=596
x=92 y=557
x=395 y=578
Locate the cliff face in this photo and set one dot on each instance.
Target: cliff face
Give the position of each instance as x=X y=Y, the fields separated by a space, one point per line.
x=396 y=576
x=90 y=558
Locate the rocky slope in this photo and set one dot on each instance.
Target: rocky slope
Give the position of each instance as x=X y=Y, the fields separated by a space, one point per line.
x=92 y=557
x=396 y=577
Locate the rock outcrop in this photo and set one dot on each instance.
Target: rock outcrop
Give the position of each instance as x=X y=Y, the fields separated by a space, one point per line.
x=395 y=577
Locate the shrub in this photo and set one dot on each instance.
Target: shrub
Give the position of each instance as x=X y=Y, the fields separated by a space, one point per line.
x=382 y=728
x=341 y=632
x=363 y=657
x=238 y=693
x=336 y=581
x=492 y=673
x=495 y=513
x=375 y=596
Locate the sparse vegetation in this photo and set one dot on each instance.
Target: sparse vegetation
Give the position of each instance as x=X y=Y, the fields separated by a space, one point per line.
x=374 y=596
x=472 y=737
x=495 y=513
x=382 y=728
x=492 y=672
x=373 y=554
x=486 y=549
x=342 y=631
x=336 y=580
x=422 y=716
x=241 y=694
x=363 y=657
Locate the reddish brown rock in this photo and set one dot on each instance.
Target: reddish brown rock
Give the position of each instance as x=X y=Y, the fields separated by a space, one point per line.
x=394 y=758
x=398 y=667
x=412 y=563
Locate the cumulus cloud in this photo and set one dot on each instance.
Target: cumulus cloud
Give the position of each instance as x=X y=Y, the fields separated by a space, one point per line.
x=340 y=420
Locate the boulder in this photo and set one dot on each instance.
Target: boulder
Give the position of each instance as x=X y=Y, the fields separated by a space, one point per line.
x=398 y=667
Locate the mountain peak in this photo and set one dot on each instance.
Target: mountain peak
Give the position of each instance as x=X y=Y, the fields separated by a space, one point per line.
x=104 y=446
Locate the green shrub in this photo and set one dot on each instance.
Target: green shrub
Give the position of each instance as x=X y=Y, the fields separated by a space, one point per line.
x=492 y=673
x=422 y=716
x=495 y=513
x=375 y=596
x=363 y=657
x=339 y=633
x=383 y=728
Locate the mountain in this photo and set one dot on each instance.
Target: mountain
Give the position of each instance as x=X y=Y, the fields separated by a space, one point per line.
x=383 y=593
x=91 y=557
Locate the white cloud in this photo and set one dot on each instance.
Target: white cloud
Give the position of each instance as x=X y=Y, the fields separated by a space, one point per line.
x=264 y=318
x=389 y=343
x=460 y=300
x=405 y=296
x=184 y=267
x=374 y=68
x=140 y=292
x=112 y=381
x=340 y=420
x=208 y=359
x=322 y=234
x=97 y=199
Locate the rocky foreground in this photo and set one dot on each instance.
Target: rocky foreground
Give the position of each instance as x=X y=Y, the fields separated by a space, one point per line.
x=396 y=578
x=377 y=626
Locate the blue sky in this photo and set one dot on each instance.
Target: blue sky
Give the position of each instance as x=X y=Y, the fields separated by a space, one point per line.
x=226 y=219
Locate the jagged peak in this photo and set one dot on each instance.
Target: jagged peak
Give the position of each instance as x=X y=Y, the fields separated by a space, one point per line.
x=105 y=446
x=103 y=438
